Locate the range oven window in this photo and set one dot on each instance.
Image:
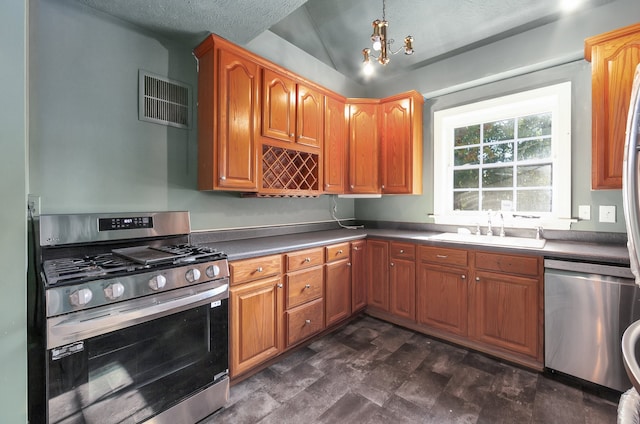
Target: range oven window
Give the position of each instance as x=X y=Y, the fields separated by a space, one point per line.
x=132 y=374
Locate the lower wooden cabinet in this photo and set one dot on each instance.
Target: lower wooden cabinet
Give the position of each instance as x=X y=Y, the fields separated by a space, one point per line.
x=442 y=298
x=255 y=323
x=402 y=288
x=304 y=321
x=378 y=274
x=358 y=275
x=337 y=277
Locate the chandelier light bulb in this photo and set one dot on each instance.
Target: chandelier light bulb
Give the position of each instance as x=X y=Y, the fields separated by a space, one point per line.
x=377 y=45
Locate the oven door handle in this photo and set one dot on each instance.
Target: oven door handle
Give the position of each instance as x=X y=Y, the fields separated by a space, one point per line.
x=82 y=325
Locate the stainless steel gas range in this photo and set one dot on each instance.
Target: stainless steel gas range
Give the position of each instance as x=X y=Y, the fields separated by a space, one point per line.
x=134 y=321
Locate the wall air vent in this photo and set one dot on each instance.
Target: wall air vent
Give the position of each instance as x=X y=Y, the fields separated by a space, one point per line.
x=163 y=101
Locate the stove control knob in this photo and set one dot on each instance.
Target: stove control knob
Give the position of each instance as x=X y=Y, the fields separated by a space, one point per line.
x=114 y=291
x=192 y=275
x=213 y=271
x=80 y=297
x=157 y=282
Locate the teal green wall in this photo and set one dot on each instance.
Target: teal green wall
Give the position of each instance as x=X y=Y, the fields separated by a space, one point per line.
x=88 y=150
x=13 y=186
x=543 y=56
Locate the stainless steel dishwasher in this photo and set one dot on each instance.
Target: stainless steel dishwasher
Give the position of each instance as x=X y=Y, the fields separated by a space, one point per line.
x=587 y=308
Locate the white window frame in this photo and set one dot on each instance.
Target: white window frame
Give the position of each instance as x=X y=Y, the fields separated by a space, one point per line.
x=555 y=99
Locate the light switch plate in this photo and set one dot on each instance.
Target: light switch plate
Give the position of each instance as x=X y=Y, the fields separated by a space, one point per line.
x=584 y=212
x=607 y=214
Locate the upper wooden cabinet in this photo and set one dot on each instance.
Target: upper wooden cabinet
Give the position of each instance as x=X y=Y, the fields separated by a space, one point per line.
x=385 y=145
x=401 y=144
x=614 y=56
x=364 y=148
x=291 y=112
x=228 y=117
x=335 y=145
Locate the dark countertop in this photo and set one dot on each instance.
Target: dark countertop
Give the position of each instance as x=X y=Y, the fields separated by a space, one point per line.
x=559 y=249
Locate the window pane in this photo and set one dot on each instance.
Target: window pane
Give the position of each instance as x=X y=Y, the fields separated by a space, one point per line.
x=534 y=125
x=499 y=130
x=498 y=153
x=466 y=156
x=534 y=201
x=492 y=199
x=534 y=175
x=534 y=149
x=497 y=177
x=466 y=200
x=467 y=135
x=466 y=178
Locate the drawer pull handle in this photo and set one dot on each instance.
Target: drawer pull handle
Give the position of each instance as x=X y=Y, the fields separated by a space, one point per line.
x=340 y=252
x=307 y=259
x=307 y=321
x=442 y=256
x=307 y=286
x=259 y=269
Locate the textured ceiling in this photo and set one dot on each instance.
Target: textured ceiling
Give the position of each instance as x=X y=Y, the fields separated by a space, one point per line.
x=336 y=31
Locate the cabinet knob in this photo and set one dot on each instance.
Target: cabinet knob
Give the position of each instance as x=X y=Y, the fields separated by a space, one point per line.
x=392 y=264
x=477 y=278
x=307 y=286
x=259 y=269
x=382 y=187
x=355 y=247
x=307 y=259
x=307 y=321
x=348 y=263
x=280 y=285
x=291 y=135
x=401 y=250
x=340 y=252
x=351 y=186
x=222 y=178
x=464 y=277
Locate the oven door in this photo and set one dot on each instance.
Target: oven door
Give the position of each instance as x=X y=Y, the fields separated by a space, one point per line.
x=135 y=372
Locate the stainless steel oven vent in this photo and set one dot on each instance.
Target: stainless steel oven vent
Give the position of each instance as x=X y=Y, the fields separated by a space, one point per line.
x=164 y=101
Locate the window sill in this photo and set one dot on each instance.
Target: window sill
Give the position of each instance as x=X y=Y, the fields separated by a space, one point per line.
x=472 y=221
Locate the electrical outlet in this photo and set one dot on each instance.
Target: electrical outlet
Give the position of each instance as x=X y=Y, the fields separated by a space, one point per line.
x=33 y=204
x=584 y=212
x=607 y=214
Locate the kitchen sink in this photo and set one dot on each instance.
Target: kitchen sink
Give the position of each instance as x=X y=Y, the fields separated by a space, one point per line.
x=524 y=242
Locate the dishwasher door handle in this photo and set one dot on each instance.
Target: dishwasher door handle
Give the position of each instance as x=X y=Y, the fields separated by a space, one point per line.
x=630 y=339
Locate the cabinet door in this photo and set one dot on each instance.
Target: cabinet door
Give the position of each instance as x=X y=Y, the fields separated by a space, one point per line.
x=363 y=149
x=337 y=279
x=335 y=144
x=442 y=299
x=614 y=57
x=378 y=274
x=278 y=107
x=358 y=276
x=506 y=312
x=227 y=151
x=395 y=164
x=309 y=113
x=256 y=323
x=402 y=284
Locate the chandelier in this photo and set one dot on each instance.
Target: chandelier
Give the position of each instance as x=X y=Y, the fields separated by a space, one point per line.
x=382 y=44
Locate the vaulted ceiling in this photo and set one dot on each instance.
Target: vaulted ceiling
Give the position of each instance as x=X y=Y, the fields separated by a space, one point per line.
x=336 y=31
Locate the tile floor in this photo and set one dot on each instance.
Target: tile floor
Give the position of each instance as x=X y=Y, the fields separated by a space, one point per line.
x=371 y=371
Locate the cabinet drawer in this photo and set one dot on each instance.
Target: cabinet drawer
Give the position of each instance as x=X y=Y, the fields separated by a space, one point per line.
x=303 y=286
x=305 y=259
x=522 y=265
x=304 y=321
x=253 y=269
x=444 y=256
x=337 y=252
x=402 y=251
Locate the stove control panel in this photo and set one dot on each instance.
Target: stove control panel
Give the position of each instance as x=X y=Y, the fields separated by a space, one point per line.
x=124 y=223
x=104 y=291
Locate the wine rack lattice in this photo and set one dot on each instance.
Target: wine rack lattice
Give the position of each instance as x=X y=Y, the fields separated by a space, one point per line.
x=284 y=169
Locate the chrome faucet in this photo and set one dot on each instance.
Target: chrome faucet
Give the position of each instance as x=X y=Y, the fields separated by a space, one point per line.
x=489 y=230
x=478 y=232
x=539 y=233
x=502 y=233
